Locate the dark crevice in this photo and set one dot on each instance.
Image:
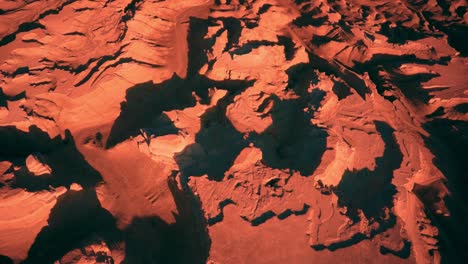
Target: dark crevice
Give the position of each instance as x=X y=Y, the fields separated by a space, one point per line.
x=456 y=32
x=76 y=216
x=289 y=212
x=249 y=46
x=217 y=143
x=25 y=27
x=3 y=99
x=300 y=77
x=101 y=61
x=74 y=33
x=263 y=9
x=411 y=85
x=262 y=218
x=28 y=26
x=144 y=106
x=403 y=253
x=198 y=45
x=358 y=237
x=5 y=260
x=438 y=112
x=15 y=143
x=351 y=78
x=67 y=164
x=448 y=141
x=371 y=190
x=385 y=73
x=234 y=29
x=462 y=108
x=400 y=34
x=82 y=9
x=145 y=103
x=289 y=47
x=270 y=214
x=130 y=10
x=342 y=90
x=220 y=217
x=19 y=71
x=151 y=240
x=309 y=19
x=292 y=142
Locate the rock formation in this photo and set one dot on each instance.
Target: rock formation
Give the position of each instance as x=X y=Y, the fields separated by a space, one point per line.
x=233 y=131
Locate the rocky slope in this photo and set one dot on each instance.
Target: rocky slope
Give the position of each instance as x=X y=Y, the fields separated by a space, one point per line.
x=248 y=131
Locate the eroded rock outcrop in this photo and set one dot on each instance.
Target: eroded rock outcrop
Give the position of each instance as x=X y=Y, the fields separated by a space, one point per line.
x=237 y=131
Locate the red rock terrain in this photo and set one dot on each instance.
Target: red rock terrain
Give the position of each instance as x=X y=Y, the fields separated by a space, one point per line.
x=248 y=131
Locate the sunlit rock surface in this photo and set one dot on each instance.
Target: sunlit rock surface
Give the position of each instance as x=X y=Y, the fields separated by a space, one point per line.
x=233 y=131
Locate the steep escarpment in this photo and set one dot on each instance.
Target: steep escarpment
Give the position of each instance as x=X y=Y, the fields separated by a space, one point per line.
x=254 y=131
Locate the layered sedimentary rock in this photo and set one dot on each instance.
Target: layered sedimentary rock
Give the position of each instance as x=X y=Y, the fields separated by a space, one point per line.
x=254 y=131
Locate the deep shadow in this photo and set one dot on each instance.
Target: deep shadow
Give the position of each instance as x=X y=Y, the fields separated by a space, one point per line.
x=456 y=32
x=234 y=29
x=341 y=90
x=287 y=43
x=3 y=99
x=310 y=19
x=440 y=111
x=217 y=145
x=371 y=190
x=220 y=217
x=198 y=45
x=15 y=143
x=448 y=141
x=67 y=164
x=411 y=85
x=145 y=102
x=292 y=142
x=288 y=212
x=251 y=45
x=384 y=72
x=457 y=37
x=5 y=260
x=462 y=108
x=151 y=240
x=400 y=34
x=144 y=106
x=263 y=9
x=76 y=216
x=261 y=218
x=404 y=253
x=358 y=237
x=289 y=47
x=300 y=76
x=24 y=27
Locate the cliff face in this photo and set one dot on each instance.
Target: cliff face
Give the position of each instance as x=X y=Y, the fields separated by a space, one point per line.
x=254 y=131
